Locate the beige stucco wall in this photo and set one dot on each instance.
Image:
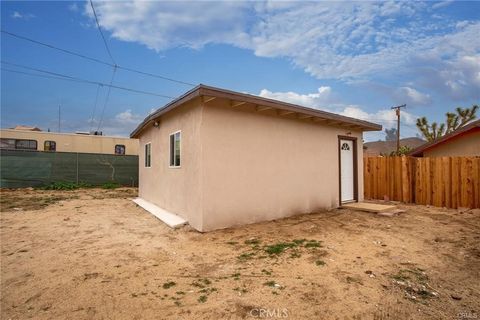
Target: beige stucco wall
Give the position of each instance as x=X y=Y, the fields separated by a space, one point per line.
x=177 y=190
x=241 y=167
x=464 y=145
x=261 y=167
x=67 y=142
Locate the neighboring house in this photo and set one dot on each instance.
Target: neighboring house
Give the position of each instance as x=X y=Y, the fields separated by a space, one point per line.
x=385 y=148
x=220 y=158
x=26 y=128
x=23 y=139
x=462 y=142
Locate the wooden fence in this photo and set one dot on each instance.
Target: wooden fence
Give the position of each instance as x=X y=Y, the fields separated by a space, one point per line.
x=450 y=182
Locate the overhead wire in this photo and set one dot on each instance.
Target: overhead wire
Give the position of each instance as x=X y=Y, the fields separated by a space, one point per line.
x=106 y=99
x=92 y=59
x=94 y=107
x=59 y=76
x=101 y=33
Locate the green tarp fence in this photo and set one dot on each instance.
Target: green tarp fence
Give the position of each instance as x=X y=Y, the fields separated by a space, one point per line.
x=20 y=168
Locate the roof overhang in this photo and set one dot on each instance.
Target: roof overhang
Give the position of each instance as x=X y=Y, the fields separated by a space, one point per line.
x=471 y=127
x=238 y=99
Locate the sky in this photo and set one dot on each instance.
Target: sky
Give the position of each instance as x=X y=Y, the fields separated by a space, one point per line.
x=357 y=58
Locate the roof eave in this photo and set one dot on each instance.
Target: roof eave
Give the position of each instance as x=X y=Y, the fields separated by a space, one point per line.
x=203 y=90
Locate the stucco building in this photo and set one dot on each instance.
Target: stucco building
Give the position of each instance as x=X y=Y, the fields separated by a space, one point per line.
x=37 y=140
x=463 y=142
x=220 y=158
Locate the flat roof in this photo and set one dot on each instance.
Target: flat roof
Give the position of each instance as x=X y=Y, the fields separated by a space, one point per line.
x=62 y=134
x=210 y=93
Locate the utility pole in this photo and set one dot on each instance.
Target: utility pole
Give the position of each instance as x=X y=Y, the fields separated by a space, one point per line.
x=59 y=106
x=397 y=112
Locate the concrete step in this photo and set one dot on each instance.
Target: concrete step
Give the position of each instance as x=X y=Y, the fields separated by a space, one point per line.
x=171 y=219
x=369 y=207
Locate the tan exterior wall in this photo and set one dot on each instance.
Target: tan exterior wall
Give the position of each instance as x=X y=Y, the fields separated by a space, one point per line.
x=465 y=145
x=241 y=167
x=261 y=167
x=177 y=190
x=67 y=142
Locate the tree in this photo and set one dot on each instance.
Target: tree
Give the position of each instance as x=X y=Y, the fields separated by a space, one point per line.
x=390 y=134
x=454 y=121
x=402 y=151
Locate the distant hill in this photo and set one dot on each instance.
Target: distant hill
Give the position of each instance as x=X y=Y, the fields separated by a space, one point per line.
x=376 y=148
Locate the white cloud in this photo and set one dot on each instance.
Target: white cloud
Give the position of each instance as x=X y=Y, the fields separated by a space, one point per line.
x=24 y=16
x=442 y=4
x=329 y=40
x=128 y=118
x=309 y=100
x=412 y=96
x=73 y=7
x=320 y=100
x=122 y=124
x=162 y=25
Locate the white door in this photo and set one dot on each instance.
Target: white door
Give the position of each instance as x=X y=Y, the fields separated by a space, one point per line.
x=346 y=171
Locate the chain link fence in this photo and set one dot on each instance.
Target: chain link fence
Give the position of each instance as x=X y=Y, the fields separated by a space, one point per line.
x=19 y=168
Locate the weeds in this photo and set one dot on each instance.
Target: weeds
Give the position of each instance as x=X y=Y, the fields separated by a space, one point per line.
x=268 y=273
x=241 y=290
x=252 y=241
x=313 y=244
x=246 y=256
x=66 y=186
x=320 y=263
x=299 y=241
x=270 y=283
x=110 y=185
x=202 y=299
x=279 y=247
x=168 y=285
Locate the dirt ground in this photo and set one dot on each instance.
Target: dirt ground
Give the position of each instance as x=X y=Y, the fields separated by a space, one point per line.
x=94 y=254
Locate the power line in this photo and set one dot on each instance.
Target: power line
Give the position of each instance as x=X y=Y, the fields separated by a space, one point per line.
x=101 y=33
x=79 y=55
x=114 y=67
x=106 y=99
x=59 y=76
x=94 y=107
x=57 y=48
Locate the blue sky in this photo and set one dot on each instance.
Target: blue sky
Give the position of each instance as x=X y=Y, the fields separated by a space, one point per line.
x=353 y=58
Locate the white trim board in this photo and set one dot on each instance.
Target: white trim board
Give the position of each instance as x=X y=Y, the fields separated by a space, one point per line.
x=172 y=220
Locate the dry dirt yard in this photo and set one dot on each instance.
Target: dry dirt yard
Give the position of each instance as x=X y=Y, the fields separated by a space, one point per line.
x=94 y=254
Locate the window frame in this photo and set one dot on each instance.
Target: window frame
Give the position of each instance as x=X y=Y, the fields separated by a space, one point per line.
x=170 y=149
x=124 y=150
x=10 y=144
x=29 y=140
x=50 y=144
x=145 y=155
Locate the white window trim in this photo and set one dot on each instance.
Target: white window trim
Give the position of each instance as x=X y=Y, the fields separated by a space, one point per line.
x=145 y=160
x=170 y=150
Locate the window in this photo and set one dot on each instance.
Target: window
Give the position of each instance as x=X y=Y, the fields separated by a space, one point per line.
x=49 y=146
x=7 y=143
x=175 y=149
x=119 y=149
x=148 y=155
x=345 y=146
x=25 y=144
